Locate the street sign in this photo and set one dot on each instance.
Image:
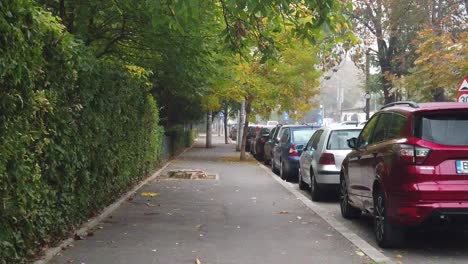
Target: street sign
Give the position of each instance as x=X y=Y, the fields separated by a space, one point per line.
x=463 y=87
x=463 y=98
x=462 y=91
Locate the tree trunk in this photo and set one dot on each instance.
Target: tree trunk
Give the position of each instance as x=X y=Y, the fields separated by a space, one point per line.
x=226 y=125
x=209 y=121
x=62 y=13
x=438 y=95
x=248 y=109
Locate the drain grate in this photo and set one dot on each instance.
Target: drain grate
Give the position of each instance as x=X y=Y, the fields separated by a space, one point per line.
x=190 y=174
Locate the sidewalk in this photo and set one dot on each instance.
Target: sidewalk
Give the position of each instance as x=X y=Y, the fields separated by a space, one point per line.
x=244 y=217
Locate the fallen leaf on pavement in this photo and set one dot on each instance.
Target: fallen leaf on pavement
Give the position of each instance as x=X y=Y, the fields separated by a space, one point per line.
x=150 y=205
x=200 y=226
x=359 y=253
x=197 y=261
x=284 y=212
x=298 y=217
x=78 y=237
x=399 y=256
x=150 y=213
x=90 y=233
x=149 y=194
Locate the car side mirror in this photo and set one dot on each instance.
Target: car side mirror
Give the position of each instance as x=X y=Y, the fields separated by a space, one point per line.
x=277 y=140
x=352 y=143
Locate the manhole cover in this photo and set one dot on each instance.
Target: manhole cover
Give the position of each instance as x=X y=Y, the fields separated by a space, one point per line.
x=190 y=174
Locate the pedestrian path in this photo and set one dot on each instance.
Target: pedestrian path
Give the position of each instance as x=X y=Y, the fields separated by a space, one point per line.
x=242 y=217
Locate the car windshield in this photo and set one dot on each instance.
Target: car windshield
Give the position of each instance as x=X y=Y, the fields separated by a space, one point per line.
x=338 y=139
x=302 y=135
x=445 y=129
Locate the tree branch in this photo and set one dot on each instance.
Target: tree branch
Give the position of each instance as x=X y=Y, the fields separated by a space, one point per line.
x=115 y=40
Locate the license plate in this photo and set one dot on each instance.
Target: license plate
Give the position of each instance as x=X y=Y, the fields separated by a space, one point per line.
x=462 y=166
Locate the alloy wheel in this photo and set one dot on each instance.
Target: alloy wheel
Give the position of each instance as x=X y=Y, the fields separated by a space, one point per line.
x=343 y=195
x=379 y=215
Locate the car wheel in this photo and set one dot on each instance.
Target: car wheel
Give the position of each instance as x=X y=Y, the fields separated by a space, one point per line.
x=386 y=234
x=266 y=161
x=347 y=210
x=315 y=192
x=283 y=172
x=302 y=185
x=273 y=166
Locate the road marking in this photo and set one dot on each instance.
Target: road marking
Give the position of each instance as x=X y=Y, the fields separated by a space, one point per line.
x=372 y=252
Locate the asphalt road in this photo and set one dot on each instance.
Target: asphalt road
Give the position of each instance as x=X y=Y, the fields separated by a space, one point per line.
x=422 y=246
x=245 y=217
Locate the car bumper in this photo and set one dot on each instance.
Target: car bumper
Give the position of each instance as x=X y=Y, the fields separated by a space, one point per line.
x=292 y=166
x=328 y=177
x=409 y=212
x=327 y=174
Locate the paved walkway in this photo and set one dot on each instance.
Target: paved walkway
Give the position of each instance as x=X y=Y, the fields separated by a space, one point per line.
x=244 y=217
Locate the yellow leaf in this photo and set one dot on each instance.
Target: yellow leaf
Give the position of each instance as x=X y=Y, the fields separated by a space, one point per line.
x=149 y=194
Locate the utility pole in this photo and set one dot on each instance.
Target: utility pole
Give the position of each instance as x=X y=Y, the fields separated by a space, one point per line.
x=368 y=95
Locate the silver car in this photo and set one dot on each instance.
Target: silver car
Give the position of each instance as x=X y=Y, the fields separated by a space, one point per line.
x=320 y=162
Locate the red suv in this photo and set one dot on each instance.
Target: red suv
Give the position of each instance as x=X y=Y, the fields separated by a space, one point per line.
x=408 y=166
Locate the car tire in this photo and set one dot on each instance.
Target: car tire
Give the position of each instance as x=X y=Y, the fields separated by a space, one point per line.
x=302 y=185
x=266 y=161
x=315 y=191
x=273 y=167
x=283 y=172
x=386 y=234
x=347 y=210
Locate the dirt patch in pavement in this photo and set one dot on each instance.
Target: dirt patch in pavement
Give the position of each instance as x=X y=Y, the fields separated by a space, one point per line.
x=188 y=174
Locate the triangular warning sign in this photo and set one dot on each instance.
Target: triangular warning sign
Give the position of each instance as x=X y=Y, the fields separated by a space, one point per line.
x=463 y=87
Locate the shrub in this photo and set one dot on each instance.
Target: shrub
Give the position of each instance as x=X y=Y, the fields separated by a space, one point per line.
x=75 y=132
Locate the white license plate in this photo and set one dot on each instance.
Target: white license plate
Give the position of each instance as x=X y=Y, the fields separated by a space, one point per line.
x=462 y=166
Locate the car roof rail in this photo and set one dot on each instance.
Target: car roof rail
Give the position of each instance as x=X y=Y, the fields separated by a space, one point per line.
x=410 y=103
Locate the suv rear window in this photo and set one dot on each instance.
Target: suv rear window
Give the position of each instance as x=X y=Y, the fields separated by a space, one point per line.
x=338 y=139
x=302 y=135
x=446 y=129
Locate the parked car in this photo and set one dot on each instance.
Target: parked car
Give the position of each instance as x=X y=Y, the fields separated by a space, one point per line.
x=233 y=132
x=286 y=154
x=408 y=166
x=272 y=141
x=251 y=133
x=321 y=159
x=258 y=143
x=272 y=123
x=349 y=123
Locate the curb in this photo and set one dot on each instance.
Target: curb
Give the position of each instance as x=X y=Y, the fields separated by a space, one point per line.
x=50 y=253
x=373 y=253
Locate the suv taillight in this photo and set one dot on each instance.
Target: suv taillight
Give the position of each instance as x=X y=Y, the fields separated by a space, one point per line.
x=413 y=154
x=293 y=151
x=327 y=159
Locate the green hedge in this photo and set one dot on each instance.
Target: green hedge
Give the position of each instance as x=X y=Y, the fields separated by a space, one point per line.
x=180 y=138
x=75 y=132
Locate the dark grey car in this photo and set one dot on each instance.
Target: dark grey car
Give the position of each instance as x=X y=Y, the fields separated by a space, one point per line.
x=272 y=141
x=286 y=154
